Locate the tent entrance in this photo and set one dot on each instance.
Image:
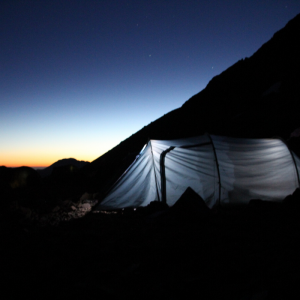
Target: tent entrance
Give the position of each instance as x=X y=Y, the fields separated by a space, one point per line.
x=183 y=151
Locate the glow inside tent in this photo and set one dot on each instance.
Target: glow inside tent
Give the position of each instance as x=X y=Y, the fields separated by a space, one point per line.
x=222 y=170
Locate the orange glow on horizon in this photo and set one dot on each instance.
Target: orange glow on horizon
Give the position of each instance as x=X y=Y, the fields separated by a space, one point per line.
x=34 y=164
x=42 y=158
x=38 y=162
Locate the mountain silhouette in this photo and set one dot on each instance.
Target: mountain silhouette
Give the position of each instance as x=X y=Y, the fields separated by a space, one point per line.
x=61 y=163
x=254 y=98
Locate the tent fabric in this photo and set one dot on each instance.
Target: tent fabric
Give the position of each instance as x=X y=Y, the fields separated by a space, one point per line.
x=222 y=170
x=255 y=169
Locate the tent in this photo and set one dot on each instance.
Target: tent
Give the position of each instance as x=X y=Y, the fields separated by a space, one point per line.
x=222 y=170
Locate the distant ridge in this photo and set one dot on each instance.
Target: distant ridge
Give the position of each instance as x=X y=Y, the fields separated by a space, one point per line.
x=256 y=97
x=60 y=163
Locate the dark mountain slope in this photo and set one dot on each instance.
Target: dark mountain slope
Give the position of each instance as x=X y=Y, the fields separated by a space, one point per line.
x=240 y=89
x=256 y=97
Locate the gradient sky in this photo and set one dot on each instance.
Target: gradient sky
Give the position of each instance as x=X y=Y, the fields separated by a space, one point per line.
x=79 y=76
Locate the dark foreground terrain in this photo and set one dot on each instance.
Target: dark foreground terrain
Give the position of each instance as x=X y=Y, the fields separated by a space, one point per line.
x=245 y=253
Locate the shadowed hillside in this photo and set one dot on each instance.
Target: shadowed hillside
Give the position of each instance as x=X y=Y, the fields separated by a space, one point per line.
x=256 y=97
x=42 y=190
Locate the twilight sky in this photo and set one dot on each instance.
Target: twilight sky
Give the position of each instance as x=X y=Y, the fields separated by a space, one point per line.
x=79 y=76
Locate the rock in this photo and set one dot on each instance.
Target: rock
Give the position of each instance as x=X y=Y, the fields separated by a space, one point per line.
x=292 y=200
x=55 y=209
x=26 y=212
x=85 y=196
x=85 y=206
x=67 y=203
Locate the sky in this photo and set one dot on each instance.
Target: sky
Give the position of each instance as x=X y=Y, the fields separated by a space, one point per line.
x=79 y=76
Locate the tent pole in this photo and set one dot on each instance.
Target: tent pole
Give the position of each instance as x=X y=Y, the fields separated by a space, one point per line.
x=154 y=171
x=295 y=167
x=217 y=164
x=163 y=174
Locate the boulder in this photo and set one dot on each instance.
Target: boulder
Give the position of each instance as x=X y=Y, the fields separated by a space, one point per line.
x=85 y=207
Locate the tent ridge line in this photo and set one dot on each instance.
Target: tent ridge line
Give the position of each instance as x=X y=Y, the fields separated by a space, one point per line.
x=217 y=164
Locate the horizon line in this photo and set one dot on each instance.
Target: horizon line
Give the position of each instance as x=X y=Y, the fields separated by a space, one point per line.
x=20 y=166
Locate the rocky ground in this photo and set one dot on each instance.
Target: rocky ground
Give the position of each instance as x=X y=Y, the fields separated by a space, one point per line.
x=75 y=252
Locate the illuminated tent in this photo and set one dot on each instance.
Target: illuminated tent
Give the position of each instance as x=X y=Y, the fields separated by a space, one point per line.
x=222 y=170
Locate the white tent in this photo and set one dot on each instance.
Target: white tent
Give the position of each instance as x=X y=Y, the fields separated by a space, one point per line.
x=221 y=170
